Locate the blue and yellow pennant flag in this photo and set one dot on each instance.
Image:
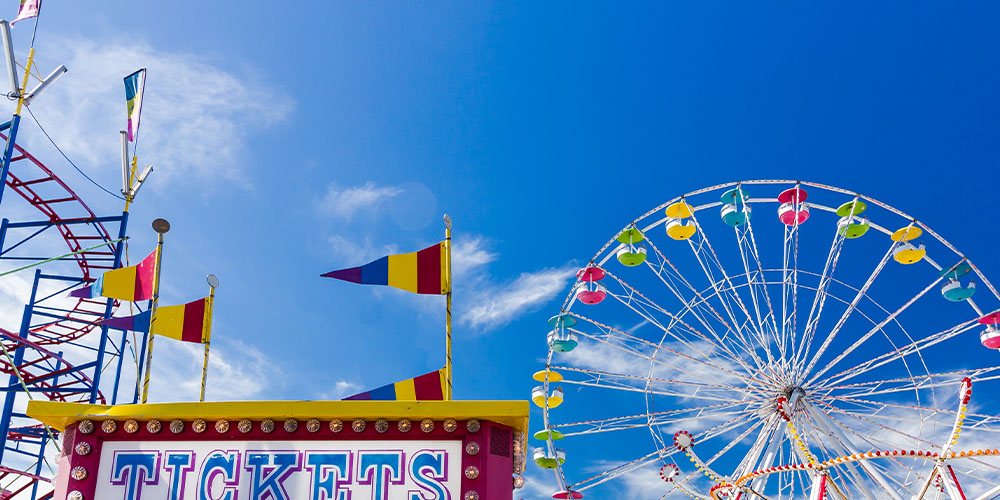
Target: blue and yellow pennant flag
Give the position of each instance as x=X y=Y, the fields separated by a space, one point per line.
x=134 y=86
x=427 y=387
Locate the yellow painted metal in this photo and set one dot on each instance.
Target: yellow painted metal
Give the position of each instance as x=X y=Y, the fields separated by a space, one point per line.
x=447 y=309
x=131 y=179
x=24 y=86
x=61 y=415
x=553 y=401
x=152 y=317
x=681 y=232
x=909 y=256
x=679 y=210
x=908 y=233
x=208 y=341
x=554 y=376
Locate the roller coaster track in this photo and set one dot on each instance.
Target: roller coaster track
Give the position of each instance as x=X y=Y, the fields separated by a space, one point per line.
x=39 y=361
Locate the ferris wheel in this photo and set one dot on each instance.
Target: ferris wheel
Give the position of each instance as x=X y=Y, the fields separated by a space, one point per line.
x=773 y=340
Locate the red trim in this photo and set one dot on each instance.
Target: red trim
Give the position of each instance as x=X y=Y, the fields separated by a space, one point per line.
x=144 y=278
x=428 y=387
x=955 y=478
x=194 y=321
x=429 y=270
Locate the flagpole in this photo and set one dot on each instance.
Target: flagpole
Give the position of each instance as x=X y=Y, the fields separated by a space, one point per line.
x=212 y=283
x=161 y=226
x=447 y=368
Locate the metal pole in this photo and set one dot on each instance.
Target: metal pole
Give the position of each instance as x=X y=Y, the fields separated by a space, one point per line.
x=108 y=309
x=160 y=226
x=118 y=370
x=208 y=342
x=8 y=405
x=8 y=152
x=447 y=366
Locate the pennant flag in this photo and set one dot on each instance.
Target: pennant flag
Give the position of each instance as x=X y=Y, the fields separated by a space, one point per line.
x=132 y=283
x=427 y=387
x=417 y=272
x=134 y=86
x=136 y=323
x=28 y=9
x=191 y=322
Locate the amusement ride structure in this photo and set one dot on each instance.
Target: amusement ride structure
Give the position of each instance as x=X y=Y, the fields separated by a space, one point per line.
x=57 y=351
x=774 y=340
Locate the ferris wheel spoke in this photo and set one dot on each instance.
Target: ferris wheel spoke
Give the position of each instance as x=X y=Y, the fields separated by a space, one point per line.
x=738 y=327
x=725 y=449
x=700 y=301
x=912 y=387
x=617 y=471
x=614 y=333
x=747 y=244
x=639 y=307
x=915 y=347
x=939 y=418
x=864 y=338
x=696 y=395
x=757 y=330
x=819 y=300
x=952 y=375
x=582 y=427
x=847 y=313
x=649 y=381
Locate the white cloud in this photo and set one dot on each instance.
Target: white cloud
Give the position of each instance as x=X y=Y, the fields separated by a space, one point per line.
x=236 y=371
x=468 y=256
x=354 y=251
x=344 y=203
x=489 y=304
x=196 y=117
x=341 y=389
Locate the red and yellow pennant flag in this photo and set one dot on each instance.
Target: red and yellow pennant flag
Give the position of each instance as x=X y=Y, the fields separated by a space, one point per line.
x=191 y=322
x=132 y=283
x=423 y=272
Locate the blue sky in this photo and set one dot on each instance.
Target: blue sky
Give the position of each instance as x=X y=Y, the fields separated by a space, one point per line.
x=290 y=140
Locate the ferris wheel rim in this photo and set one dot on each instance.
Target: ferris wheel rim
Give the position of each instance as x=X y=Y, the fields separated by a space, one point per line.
x=612 y=241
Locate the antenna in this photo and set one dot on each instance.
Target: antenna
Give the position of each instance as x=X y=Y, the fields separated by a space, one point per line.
x=125 y=183
x=141 y=179
x=60 y=71
x=8 y=48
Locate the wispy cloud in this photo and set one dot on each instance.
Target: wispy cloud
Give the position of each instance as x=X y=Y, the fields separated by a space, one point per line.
x=469 y=256
x=344 y=203
x=492 y=303
x=501 y=303
x=197 y=118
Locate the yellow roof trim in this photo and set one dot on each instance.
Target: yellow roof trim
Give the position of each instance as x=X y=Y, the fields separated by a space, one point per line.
x=60 y=415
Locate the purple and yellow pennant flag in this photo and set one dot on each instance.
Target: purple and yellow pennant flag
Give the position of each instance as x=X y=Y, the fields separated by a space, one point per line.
x=135 y=84
x=191 y=322
x=422 y=272
x=27 y=10
x=427 y=387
